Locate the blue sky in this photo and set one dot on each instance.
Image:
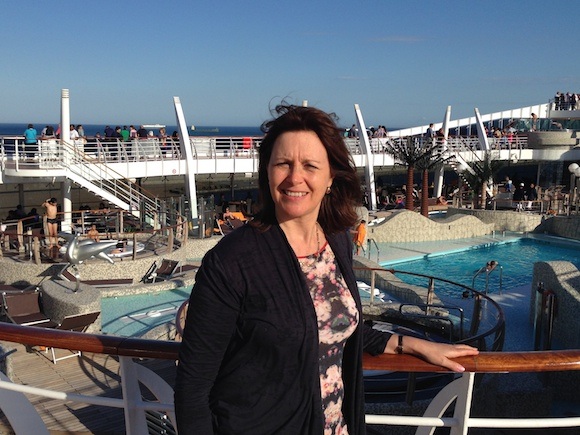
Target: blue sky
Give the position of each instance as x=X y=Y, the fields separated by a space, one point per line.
x=403 y=62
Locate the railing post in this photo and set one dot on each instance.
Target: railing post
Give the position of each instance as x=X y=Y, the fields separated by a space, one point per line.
x=460 y=391
x=430 y=293
x=20 y=235
x=550 y=312
x=170 y=239
x=135 y=420
x=538 y=316
x=372 y=287
x=134 y=255
x=36 y=250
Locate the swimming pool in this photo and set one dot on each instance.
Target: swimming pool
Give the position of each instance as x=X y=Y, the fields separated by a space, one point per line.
x=516 y=257
x=134 y=315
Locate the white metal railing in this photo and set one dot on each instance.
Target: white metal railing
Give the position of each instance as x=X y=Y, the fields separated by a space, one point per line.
x=117 y=151
x=454 y=143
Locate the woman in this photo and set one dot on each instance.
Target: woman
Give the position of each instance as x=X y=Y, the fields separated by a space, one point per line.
x=274 y=335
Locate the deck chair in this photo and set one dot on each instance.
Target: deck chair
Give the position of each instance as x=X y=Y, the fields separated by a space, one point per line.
x=24 y=309
x=66 y=275
x=149 y=275
x=236 y=223
x=74 y=322
x=166 y=270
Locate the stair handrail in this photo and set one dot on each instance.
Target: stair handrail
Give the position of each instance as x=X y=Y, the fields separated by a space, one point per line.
x=106 y=178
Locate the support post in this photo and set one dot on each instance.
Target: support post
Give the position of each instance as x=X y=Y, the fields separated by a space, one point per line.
x=185 y=145
x=65 y=139
x=481 y=136
x=365 y=147
x=440 y=171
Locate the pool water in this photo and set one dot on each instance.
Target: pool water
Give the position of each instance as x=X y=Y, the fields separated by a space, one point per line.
x=516 y=259
x=134 y=315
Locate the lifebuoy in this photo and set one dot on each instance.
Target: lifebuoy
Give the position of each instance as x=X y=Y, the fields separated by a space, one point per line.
x=247 y=143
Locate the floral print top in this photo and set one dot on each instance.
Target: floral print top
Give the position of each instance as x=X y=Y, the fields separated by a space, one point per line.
x=338 y=317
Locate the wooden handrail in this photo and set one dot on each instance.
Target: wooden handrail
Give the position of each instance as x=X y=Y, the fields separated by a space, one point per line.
x=485 y=362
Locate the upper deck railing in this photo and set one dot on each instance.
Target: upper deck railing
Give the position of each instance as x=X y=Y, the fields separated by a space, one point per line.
x=49 y=154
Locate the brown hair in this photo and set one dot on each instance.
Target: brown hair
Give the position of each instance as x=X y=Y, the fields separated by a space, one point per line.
x=337 y=211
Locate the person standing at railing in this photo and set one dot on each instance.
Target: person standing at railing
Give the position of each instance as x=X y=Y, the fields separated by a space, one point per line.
x=274 y=334
x=125 y=133
x=531 y=195
x=81 y=132
x=429 y=134
x=30 y=141
x=51 y=222
x=162 y=136
x=519 y=197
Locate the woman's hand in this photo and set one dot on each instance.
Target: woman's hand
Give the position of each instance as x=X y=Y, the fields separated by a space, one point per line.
x=432 y=352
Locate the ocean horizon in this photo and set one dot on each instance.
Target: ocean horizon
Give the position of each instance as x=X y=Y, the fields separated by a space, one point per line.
x=17 y=129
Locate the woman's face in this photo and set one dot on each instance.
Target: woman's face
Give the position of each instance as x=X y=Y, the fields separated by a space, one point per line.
x=299 y=175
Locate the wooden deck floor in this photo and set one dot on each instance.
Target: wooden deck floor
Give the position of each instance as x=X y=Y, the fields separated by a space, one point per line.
x=90 y=374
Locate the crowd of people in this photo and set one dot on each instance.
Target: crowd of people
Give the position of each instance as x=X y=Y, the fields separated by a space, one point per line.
x=32 y=217
x=567 y=101
x=125 y=133
x=372 y=132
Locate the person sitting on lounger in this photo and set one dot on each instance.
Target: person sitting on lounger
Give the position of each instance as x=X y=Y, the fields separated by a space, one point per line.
x=228 y=214
x=93 y=233
x=120 y=247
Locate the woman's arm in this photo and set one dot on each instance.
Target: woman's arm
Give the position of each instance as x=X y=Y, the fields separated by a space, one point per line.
x=432 y=352
x=210 y=324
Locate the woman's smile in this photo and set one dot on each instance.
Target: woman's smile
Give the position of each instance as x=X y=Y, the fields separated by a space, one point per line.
x=299 y=175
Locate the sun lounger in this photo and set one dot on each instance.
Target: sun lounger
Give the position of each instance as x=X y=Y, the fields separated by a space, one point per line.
x=98 y=283
x=148 y=277
x=228 y=225
x=24 y=309
x=75 y=322
x=166 y=270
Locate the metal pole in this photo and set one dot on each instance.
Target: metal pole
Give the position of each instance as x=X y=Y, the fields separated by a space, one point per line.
x=538 y=320
x=550 y=311
x=372 y=287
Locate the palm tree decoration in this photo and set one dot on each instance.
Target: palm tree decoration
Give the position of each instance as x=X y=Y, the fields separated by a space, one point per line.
x=406 y=153
x=485 y=170
x=412 y=154
x=432 y=157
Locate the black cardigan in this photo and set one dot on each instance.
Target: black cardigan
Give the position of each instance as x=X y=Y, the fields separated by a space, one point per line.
x=248 y=362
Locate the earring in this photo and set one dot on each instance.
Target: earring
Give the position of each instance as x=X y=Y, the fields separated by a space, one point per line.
x=328 y=190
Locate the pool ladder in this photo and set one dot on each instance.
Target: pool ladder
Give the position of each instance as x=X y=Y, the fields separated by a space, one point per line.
x=545 y=311
x=488 y=269
x=370 y=243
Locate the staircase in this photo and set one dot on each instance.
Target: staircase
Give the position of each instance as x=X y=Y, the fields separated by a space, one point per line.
x=459 y=164
x=101 y=180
